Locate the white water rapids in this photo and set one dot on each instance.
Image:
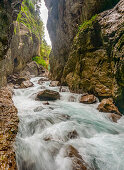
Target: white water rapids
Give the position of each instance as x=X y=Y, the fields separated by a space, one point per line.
x=43 y=136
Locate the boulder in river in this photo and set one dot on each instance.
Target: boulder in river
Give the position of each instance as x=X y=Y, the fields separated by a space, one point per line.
x=88 y=99
x=46 y=103
x=73 y=134
x=16 y=79
x=72 y=99
x=108 y=106
x=54 y=83
x=38 y=109
x=114 y=117
x=77 y=161
x=48 y=95
x=26 y=84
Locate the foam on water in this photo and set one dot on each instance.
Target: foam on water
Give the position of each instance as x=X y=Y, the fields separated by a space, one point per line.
x=43 y=135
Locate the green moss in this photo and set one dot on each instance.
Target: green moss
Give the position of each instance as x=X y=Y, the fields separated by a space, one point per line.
x=87 y=23
x=15 y=30
x=40 y=60
x=28 y=17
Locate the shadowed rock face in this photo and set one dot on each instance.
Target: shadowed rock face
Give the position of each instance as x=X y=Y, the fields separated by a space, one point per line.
x=63 y=21
x=8 y=13
x=89 y=59
x=17 y=43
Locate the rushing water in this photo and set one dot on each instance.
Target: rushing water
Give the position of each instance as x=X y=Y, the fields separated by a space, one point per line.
x=43 y=136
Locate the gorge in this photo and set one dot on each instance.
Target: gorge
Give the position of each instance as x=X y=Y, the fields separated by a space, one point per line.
x=62 y=109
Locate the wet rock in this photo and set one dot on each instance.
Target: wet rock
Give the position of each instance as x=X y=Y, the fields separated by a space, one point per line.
x=46 y=103
x=77 y=161
x=54 y=83
x=88 y=99
x=26 y=84
x=43 y=79
x=65 y=116
x=40 y=82
x=72 y=99
x=63 y=89
x=114 y=117
x=9 y=121
x=48 y=95
x=108 y=106
x=73 y=134
x=38 y=109
x=48 y=138
x=16 y=79
x=30 y=69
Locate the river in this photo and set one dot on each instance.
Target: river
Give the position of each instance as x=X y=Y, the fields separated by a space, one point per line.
x=44 y=135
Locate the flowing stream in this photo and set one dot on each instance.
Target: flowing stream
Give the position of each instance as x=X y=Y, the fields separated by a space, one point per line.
x=44 y=135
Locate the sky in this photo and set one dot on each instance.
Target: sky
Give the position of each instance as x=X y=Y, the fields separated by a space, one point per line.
x=44 y=17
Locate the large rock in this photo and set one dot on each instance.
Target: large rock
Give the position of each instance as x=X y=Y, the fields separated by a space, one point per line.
x=26 y=84
x=16 y=79
x=18 y=43
x=89 y=59
x=54 y=83
x=108 y=106
x=48 y=95
x=77 y=161
x=9 y=121
x=31 y=69
x=64 y=19
x=88 y=99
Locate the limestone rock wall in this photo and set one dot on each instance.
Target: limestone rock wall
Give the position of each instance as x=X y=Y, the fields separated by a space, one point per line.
x=8 y=130
x=92 y=58
x=64 y=18
x=17 y=43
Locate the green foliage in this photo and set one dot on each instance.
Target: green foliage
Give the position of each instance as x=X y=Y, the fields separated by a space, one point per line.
x=87 y=23
x=14 y=30
x=30 y=19
x=40 y=60
x=30 y=5
x=29 y=16
x=45 y=50
x=44 y=58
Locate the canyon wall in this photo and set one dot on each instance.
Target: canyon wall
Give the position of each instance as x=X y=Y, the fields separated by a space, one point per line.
x=87 y=39
x=18 y=43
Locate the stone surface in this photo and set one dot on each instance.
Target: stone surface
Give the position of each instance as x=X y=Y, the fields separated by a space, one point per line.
x=26 y=84
x=88 y=99
x=114 y=117
x=8 y=129
x=48 y=95
x=41 y=80
x=64 y=19
x=17 y=43
x=77 y=161
x=89 y=59
x=72 y=99
x=8 y=13
x=31 y=69
x=54 y=83
x=108 y=106
x=73 y=134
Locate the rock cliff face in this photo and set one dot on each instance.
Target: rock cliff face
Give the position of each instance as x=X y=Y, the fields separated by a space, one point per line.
x=17 y=43
x=8 y=129
x=8 y=13
x=88 y=58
